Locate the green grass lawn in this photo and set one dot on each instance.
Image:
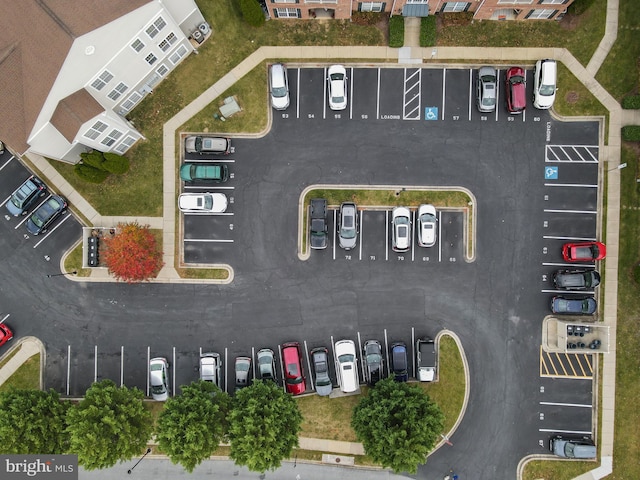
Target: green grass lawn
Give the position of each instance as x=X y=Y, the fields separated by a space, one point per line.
x=26 y=377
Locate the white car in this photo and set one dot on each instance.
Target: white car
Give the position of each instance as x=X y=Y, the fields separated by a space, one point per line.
x=401 y=229
x=279 y=86
x=544 y=84
x=337 y=78
x=427 y=225
x=347 y=367
x=159 y=378
x=210 y=364
x=202 y=202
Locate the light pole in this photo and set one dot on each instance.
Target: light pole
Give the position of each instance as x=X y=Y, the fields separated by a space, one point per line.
x=75 y=272
x=141 y=458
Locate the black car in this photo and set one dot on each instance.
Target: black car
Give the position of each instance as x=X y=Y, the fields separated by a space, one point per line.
x=46 y=214
x=576 y=279
x=26 y=195
x=399 y=362
x=372 y=353
x=574 y=305
x=319 y=223
x=320 y=357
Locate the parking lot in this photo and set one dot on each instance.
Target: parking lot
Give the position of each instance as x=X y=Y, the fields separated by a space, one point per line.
x=81 y=365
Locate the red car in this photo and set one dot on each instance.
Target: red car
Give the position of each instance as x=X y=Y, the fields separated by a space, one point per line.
x=293 y=372
x=583 y=252
x=516 y=86
x=5 y=334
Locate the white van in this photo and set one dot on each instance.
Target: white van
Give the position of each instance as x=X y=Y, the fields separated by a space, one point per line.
x=279 y=86
x=544 y=84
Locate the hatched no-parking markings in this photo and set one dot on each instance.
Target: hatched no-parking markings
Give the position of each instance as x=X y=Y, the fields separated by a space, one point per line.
x=412 y=94
x=566 y=365
x=571 y=153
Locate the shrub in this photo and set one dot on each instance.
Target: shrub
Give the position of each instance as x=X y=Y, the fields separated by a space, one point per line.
x=114 y=163
x=631 y=133
x=428 y=31
x=252 y=12
x=93 y=158
x=396 y=32
x=632 y=102
x=636 y=274
x=90 y=174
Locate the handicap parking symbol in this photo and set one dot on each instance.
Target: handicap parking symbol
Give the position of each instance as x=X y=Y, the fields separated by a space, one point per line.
x=550 y=173
x=431 y=113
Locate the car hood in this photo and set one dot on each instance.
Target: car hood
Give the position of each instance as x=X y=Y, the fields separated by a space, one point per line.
x=280 y=103
x=348 y=243
x=324 y=390
x=13 y=210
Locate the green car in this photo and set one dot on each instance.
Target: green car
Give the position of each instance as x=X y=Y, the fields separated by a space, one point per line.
x=204 y=172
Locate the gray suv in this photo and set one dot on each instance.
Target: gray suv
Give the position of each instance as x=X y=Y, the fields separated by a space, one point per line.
x=582 y=447
x=348 y=226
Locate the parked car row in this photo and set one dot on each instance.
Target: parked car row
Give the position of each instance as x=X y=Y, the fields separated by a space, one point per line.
x=348 y=228
x=26 y=196
x=544 y=87
x=292 y=361
x=575 y=280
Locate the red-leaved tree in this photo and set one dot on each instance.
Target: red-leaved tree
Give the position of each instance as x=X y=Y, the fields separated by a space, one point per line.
x=132 y=254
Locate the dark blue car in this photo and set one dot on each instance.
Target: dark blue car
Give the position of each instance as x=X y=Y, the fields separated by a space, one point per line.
x=399 y=362
x=46 y=214
x=574 y=305
x=26 y=195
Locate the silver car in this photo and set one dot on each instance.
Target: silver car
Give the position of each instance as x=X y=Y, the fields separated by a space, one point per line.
x=159 y=378
x=401 y=229
x=279 y=86
x=348 y=225
x=427 y=226
x=210 y=364
x=486 y=91
x=242 y=368
x=266 y=364
x=320 y=357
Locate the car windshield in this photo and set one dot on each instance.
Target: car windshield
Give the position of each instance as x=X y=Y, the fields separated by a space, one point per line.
x=207 y=200
x=547 y=90
x=242 y=367
x=348 y=228
x=489 y=98
x=516 y=79
x=374 y=358
x=157 y=389
x=279 y=92
x=45 y=212
x=198 y=144
x=346 y=358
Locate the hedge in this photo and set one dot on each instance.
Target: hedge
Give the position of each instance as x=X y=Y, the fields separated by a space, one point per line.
x=631 y=133
x=396 y=31
x=428 y=31
x=632 y=102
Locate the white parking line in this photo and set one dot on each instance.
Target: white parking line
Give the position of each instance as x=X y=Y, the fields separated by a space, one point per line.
x=193 y=214
x=562 y=292
x=297 y=104
x=211 y=160
x=470 y=91
x=53 y=230
x=207 y=240
x=5 y=200
x=26 y=217
x=173 y=372
x=324 y=103
x=5 y=317
x=444 y=83
x=226 y=376
x=386 y=231
x=68 y=367
x=413 y=242
x=363 y=359
x=216 y=188
x=284 y=380
x=334 y=234
x=351 y=95
x=253 y=363
x=592 y=212
x=413 y=353
x=121 y=365
x=378 y=98
x=148 y=360
x=497 y=92
x=583 y=185
x=581 y=432
x=586 y=239
x=95 y=363
x=440 y=236
x=583 y=265
x=7 y=162
x=306 y=350
x=361 y=230
x=386 y=351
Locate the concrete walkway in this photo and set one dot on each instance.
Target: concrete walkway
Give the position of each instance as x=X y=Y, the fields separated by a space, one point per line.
x=410 y=54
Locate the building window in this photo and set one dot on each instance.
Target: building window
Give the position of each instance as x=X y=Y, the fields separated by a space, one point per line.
x=153 y=29
x=418 y=1
x=500 y=2
x=553 y=2
x=287 y=12
x=371 y=7
x=116 y=92
x=320 y=1
x=125 y=144
x=455 y=7
x=130 y=102
x=178 y=54
x=285 y=1
x=95 y=131
x=104 y=78
x=167 y=42
x=151 y=59
x=162 y=70
x=137 y=45
x=111 y=138
x=541 y=14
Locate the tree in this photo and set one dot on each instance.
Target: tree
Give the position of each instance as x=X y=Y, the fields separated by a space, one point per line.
x=252 y=12
x=263 y=426
x=398 y=425
x=32 y=421
x=109 y=425
x=132 y=254
x=191 y=425
x=114 y=163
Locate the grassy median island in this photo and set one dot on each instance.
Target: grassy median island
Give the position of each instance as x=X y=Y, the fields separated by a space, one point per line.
x=370 y=196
